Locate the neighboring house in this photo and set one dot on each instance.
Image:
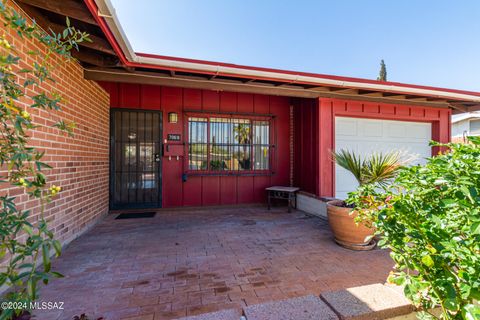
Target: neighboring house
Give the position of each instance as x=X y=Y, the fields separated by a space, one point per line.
x=163 y=132
x=464 y=125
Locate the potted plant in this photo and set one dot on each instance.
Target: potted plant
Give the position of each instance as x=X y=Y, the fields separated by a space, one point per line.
x=377 y=169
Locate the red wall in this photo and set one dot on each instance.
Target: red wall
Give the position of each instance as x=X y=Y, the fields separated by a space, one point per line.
x=314 y=171
x=208 y=190
x=306 y=144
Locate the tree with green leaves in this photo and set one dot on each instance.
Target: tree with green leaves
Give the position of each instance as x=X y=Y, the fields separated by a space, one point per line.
x=382 y=75
x=26 y=244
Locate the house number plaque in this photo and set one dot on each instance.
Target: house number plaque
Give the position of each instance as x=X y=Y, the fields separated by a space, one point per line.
x=174 y=137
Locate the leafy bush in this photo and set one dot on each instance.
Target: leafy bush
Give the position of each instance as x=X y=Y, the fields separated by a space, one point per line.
x=24 y=244
x=429 y=218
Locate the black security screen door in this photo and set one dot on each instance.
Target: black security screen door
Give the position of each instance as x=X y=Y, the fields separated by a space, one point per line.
x=135 y=159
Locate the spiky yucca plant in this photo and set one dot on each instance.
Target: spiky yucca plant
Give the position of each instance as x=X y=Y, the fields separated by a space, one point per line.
x=377 y=168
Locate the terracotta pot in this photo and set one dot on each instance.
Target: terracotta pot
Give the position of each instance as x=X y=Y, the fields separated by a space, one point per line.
x=346 y=232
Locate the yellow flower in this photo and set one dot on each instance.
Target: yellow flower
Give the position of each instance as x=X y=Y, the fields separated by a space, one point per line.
x=23 y=182
x=54 y=190
x=25 y=115
x=4 y=43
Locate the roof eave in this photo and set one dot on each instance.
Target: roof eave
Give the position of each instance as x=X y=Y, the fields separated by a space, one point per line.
x=104 y=13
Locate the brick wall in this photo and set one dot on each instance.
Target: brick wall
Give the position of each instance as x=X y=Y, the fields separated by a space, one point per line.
x=80 y=162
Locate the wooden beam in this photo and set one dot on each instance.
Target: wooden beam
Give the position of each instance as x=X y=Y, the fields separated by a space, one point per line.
x=165 y=80
x=372 y=94
x=417 y=99
x=98 y=43
x=321 y=89
x=474 y=108
x=155 y=78
x=289 y=85
x=396 y=96
x=70 y=8
x=459 y=107
x=344 y=91
x=95 y=59
x=264 y=84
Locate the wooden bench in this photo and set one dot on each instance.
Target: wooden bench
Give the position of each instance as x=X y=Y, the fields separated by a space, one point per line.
x=286 y=193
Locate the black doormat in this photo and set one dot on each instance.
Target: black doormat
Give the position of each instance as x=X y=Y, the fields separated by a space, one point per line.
x=136 y=215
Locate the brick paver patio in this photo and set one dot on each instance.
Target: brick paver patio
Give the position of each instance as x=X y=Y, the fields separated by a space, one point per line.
x=184 y=262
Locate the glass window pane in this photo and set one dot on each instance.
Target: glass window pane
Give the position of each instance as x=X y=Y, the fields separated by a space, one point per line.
x=228 y=144
x=261 y=147
x=261 y=132
x=261 y=156
x=197 y=138
x=242 y=139
x=220 y=154
x=242 y=157
x=475 y=127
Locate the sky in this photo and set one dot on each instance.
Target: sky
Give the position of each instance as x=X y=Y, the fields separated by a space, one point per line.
x=428 y=42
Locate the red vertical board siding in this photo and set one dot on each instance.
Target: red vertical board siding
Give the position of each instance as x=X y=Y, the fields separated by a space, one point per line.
x=260 y=183
x=354 y=106
x=129 y=96
x=206 y=190
x=172 y=97
x=326 y=121
x=228 y=190
x=228 y=101
x=441 y=130
x=192 y=192
x=210 y=190
x=245 y=102
x=112 y=89
x=305 y=144
x=297 y=145
x=172 y=183
x=281 y=162
x=246 y=190
x=261 y=104
x=371 y=108
x=171 y=100
x=192 y=99
x=210 y=100
x=314 y=121
x=432 y=113
x=330 y=108
x=402 y=110
x=417 y=112
x=150 y=97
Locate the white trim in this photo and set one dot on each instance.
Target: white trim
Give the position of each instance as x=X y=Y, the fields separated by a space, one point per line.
x=465 y=116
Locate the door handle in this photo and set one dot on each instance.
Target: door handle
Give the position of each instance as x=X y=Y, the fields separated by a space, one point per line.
x=157 y=157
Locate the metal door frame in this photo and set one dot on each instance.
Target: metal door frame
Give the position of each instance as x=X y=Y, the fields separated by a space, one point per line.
x=112 y=161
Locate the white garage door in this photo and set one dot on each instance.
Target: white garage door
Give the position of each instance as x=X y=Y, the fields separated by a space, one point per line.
x=365 y=136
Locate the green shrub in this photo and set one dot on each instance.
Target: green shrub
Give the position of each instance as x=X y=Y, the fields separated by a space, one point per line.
x=429 y=217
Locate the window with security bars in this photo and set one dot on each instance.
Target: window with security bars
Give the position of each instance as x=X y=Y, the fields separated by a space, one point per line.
x=222 y=145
